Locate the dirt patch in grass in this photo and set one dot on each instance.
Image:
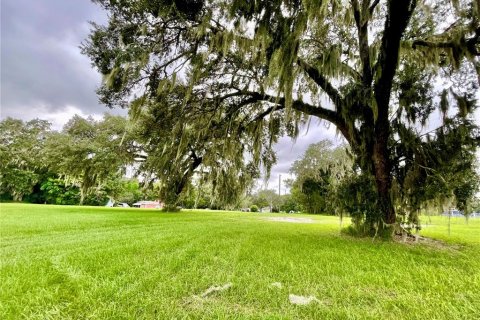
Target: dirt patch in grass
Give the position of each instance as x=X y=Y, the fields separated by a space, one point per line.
x=291 y=220
x=277 y=285
x=301 y=300
x=214 y=289
x=429 y=242
x=199 y=299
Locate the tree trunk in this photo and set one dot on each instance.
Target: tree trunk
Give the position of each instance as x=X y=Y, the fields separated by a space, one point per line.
x=176 y=189
x=398 y=16
x=449 y=221
x=384 y=183
x=381 y=168
x=82 y=196
x=197 y=198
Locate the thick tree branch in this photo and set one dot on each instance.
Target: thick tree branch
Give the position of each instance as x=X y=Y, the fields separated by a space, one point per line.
x=398 y=16
x=362 y=15
x=267 y=112
x=352 y=72
x=197 y=161
x=471 y=43
x=334 y=117
x=319 y=79
x=372 y=7
x=325 y=114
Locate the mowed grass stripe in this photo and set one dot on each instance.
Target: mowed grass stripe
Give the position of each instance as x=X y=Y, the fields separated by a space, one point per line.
x=97 y=263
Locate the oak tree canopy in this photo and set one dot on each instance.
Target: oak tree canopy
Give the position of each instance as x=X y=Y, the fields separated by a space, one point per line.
x=233 y=76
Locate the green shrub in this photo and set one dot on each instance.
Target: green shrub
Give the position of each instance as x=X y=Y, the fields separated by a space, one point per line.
x=56 y=192
x=357 y=197
x=97 y=198
x=254 y=208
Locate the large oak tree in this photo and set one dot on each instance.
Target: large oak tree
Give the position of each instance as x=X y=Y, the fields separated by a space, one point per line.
x=376 y=70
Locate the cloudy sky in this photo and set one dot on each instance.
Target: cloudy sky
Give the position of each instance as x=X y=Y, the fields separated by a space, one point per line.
x=44 y=75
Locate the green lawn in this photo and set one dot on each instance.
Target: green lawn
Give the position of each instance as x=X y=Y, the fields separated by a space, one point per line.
x=112 y=263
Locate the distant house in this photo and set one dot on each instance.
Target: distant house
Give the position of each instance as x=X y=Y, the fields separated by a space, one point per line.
x=148 y=205
x=266 y=209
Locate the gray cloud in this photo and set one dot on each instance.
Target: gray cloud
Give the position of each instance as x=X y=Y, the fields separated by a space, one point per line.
x=42 y=68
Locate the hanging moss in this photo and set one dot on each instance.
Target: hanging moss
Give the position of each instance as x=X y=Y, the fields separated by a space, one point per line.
x=231 y=77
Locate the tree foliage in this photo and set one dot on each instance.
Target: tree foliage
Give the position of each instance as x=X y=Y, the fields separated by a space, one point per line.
x=267 y=198
x=317 y=173
x=56 y=192
x=22 y=156
x=172 y=152
x=438 y=170
x=87 y=152
x=254 y=71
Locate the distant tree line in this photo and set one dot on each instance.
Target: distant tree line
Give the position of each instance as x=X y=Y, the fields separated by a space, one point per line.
x=85 y=163
x=82 y=164
x=220 y=81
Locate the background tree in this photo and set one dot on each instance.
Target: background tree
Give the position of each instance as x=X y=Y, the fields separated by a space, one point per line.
x=198 y=195
x=22 y=156
x=88 y=153
x=317 y=173
x=267 y=198
x=289 y=204
x=56 y=192
x=126 y=190
x=345 y=63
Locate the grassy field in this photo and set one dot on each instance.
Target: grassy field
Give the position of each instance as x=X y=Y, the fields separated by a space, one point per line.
x=113 y=263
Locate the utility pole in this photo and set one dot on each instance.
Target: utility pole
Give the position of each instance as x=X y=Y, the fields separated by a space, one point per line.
x=279 y=183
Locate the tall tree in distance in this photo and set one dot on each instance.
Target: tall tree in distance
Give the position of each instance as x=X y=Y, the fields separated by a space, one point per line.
x=367 y=67
x=317 y=173
x=22 y=156
x=87 y=152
